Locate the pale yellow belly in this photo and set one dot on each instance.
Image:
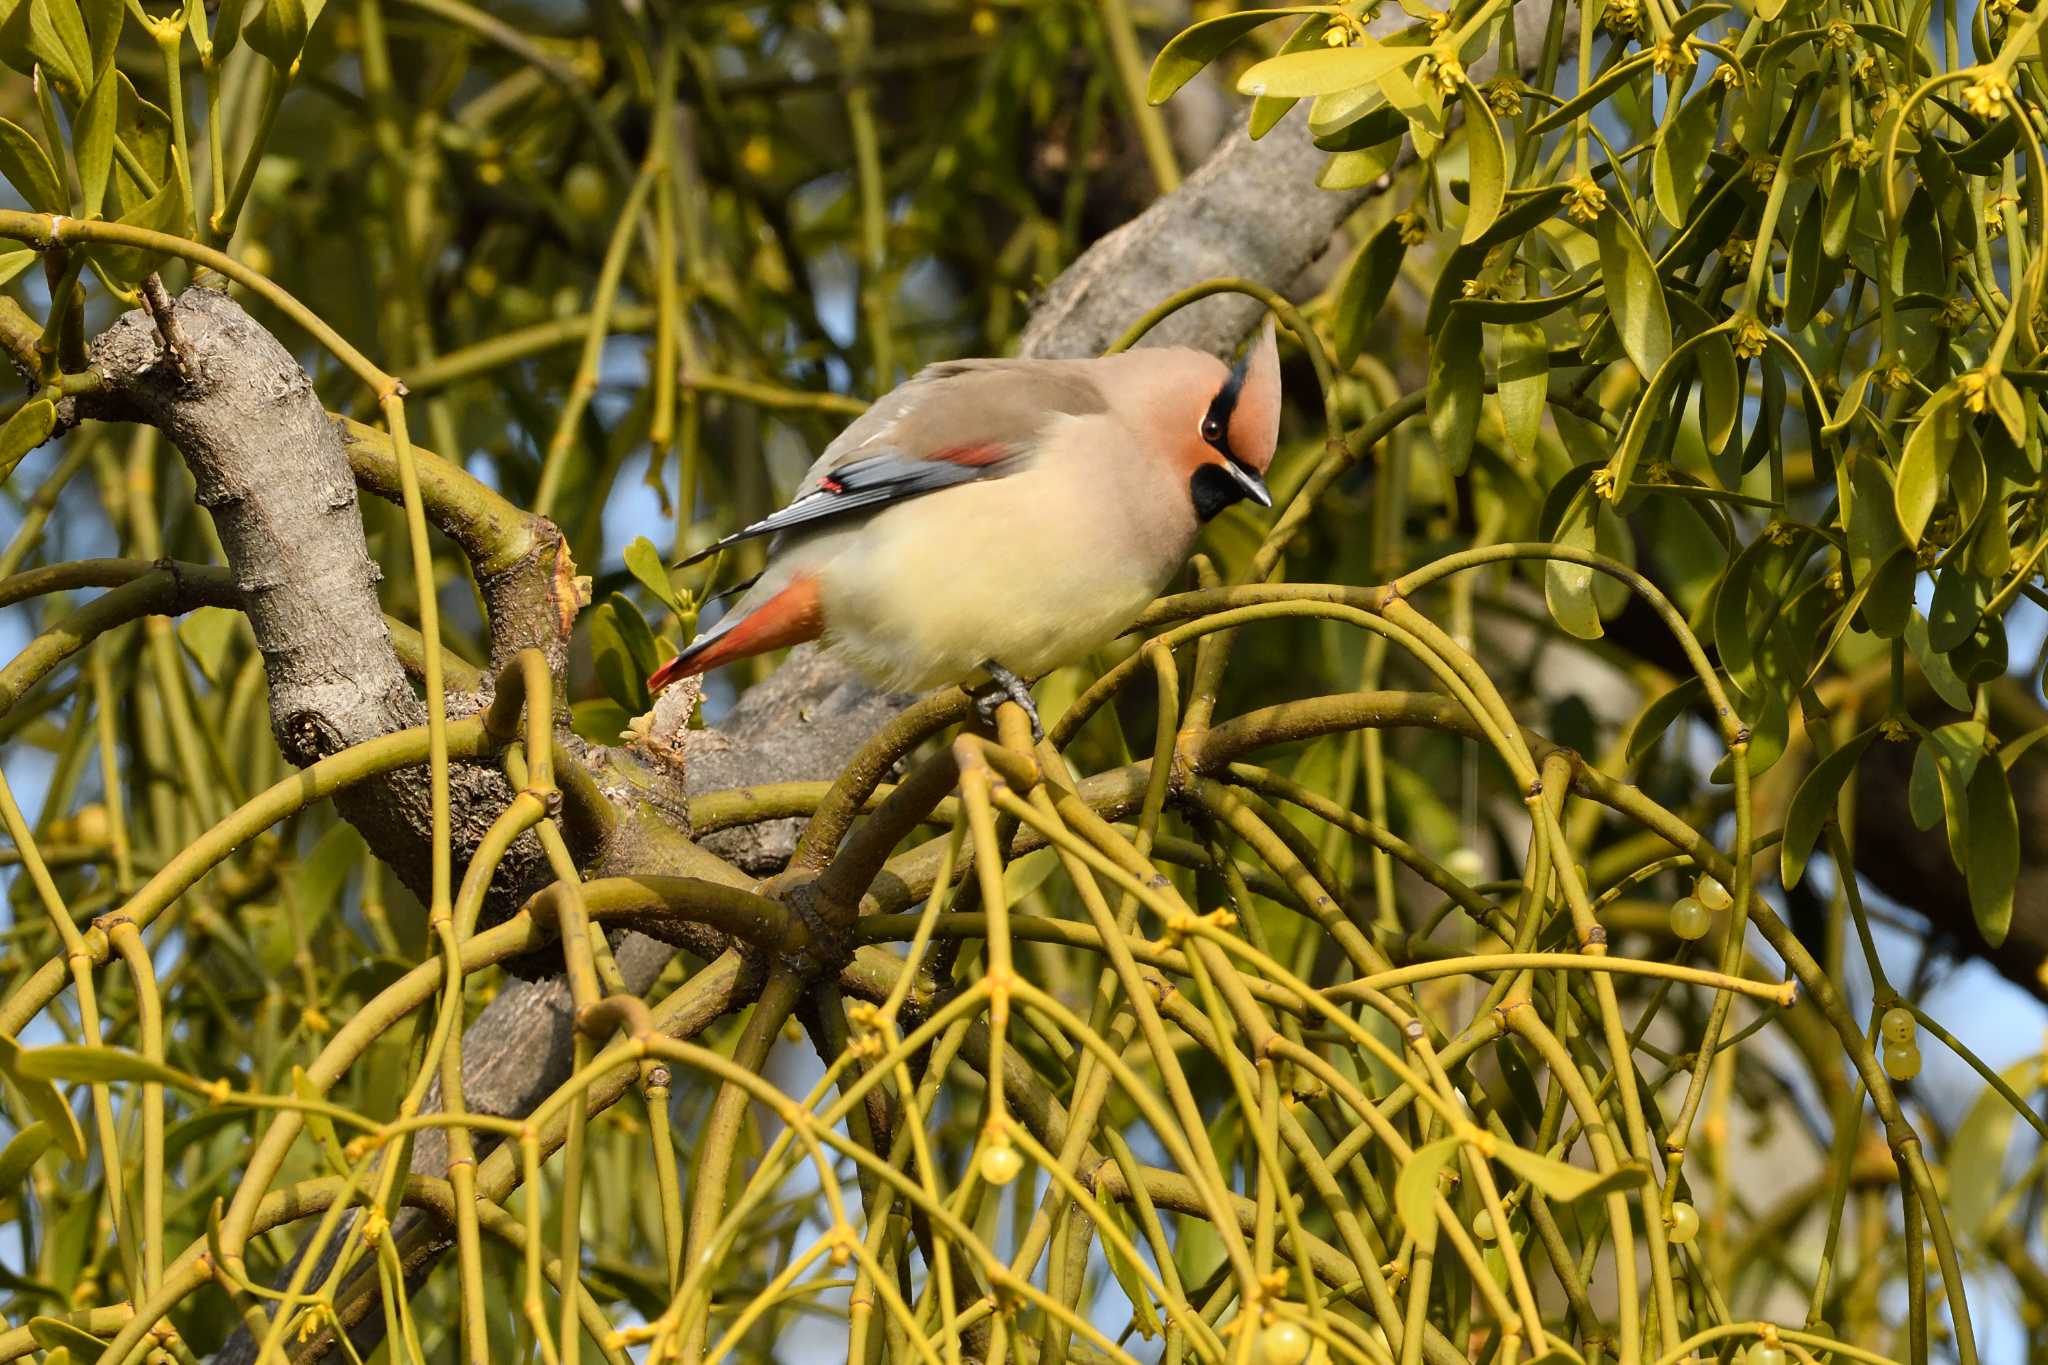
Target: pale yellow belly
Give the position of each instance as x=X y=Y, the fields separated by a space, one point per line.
x=1010 y=570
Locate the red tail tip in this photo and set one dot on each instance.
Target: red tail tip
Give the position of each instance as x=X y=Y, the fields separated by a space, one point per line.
x=675 y=670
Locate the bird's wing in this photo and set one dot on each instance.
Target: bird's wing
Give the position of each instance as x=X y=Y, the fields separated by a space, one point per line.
x=950 y=424
x=874 y=481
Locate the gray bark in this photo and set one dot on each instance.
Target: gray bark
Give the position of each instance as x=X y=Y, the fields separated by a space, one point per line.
x=801 y=725
x=1251 y=210
x=271 y=468
x=295 y=544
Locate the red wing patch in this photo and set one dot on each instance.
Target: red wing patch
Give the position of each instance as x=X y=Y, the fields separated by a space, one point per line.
x=975 y=456
x=791 y=617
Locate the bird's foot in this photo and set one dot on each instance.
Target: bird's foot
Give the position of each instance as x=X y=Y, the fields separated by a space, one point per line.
x=1008 y=687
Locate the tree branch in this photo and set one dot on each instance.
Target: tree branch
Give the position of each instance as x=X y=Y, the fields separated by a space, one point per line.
x=520 y=561
x=271 y=469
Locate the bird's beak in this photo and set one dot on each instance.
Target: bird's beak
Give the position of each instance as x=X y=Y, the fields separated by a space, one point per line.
x=1254 y=486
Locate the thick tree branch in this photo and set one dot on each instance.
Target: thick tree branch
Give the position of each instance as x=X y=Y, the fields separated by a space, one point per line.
x=272 y=469
x=1251 y=211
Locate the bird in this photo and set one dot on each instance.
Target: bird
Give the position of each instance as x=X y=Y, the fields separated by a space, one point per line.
x=988 y=521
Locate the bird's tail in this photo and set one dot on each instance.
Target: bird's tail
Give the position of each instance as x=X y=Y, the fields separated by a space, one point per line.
x=790 y=617
x=687 y=664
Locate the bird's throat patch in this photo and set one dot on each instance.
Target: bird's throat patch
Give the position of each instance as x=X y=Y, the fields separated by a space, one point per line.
x=1213 y=489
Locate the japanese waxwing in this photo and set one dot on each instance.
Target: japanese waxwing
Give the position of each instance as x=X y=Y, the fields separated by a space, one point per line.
x=996 y=519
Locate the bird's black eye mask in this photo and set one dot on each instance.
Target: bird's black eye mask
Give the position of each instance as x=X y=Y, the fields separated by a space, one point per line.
x=1216 y=421
x=1215 y=487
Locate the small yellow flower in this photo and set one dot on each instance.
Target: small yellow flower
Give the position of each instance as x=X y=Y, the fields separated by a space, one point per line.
x=1623 y=18
x=1337 y=34
x=1892 y=730
x=1866 y=71
x=1503 y=96
x=1856 y=153
x=1894 y=377
x=1778 y=533
x=1729 y=75
x=1738 y=252
x=1762 y=171
x=1413 y=228
x=1841 y=34
x=1994 y=213
x=1955 y=315
x=1449 y=73
x=1672 y=57
x=1751 y=339
x=1988 y=96
x=1480 y=289
x=1603 y=483
x=1976 y=391
x=1585 y=201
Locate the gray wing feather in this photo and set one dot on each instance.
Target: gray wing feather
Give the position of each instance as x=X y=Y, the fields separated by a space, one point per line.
x=868 y=482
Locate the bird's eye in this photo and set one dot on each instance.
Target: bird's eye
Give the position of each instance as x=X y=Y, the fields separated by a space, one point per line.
x=1212 y=430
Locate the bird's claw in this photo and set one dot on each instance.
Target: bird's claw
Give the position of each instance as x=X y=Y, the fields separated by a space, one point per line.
x=1007 y=687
